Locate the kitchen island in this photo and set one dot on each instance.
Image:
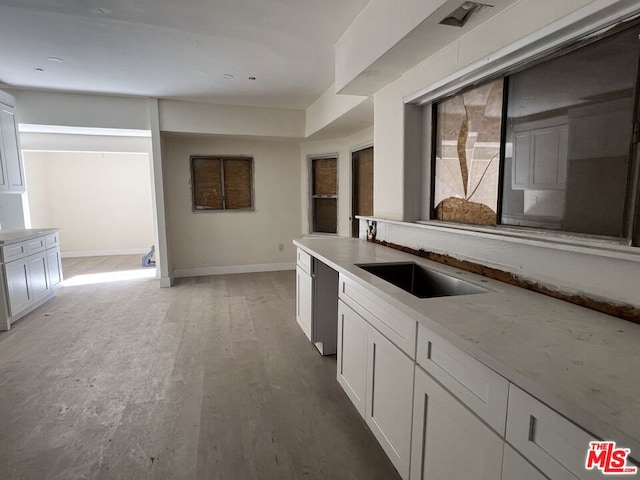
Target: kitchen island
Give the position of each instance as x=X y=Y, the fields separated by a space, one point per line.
x=524 y=379
x=31 y=271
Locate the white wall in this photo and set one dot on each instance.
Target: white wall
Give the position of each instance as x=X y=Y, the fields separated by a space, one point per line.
x=204 y=243
x=343 y=147
x=189 y=117
x=100 y=201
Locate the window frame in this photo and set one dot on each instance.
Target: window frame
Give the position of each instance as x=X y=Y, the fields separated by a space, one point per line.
x=311 y=196
x=631 y=224
x=221 y=159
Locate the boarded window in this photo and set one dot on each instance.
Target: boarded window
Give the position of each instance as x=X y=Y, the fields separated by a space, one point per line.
x=222 y=183
x=324 y=198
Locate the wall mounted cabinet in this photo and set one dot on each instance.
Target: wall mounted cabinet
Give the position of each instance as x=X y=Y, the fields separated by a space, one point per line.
x=11 y=167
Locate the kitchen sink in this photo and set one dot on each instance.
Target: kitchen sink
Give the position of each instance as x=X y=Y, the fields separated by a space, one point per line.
x=420 y=281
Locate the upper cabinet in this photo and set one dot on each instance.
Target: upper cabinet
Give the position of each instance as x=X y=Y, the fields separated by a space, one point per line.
x=11 y=169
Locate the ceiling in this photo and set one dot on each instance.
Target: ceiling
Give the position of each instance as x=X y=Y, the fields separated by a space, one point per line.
x=176 y=49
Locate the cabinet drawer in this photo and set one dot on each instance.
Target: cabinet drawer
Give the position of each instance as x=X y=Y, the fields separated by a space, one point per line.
x=552 y=443
x=14 y=251
x=36 y=245
x=52 y=240
x=304 y=260
x=477 y=386
x=393 y=324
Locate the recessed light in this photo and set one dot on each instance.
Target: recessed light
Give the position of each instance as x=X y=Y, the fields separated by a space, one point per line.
x=228 y=76
x=55 y=59
x=38 y=69
x=252 y=78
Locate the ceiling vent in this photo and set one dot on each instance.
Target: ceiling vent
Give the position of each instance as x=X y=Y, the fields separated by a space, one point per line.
x=463 y=13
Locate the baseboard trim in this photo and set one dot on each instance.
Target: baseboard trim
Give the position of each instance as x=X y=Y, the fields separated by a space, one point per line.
x=166 y=282
x=104 y=253
x=229 y=269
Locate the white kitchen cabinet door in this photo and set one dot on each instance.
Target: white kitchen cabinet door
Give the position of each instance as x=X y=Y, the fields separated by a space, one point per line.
x=54 y=267
x=304 y=300
x=389 y=398
x=352 y=355
x=515 y=467
x=38 y=278
x=448 y=440
x=17 y=275
x=11 y=157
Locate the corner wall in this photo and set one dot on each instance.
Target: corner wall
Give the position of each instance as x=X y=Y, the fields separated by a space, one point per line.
x=206 y=243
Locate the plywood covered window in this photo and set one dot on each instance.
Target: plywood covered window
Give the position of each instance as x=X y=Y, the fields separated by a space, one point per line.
x=222 y=183
x=324 y=195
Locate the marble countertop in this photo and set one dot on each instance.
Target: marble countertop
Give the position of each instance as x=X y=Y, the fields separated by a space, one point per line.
x=582 y=363
x=13 y=236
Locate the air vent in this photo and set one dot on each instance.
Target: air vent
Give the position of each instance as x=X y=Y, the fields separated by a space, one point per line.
x=462 y=14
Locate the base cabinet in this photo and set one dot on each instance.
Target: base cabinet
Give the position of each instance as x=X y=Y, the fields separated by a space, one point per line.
x=304 y=300
x=448 y=440
x=38 y=278
x=352 y=355
x=17 y=277
x=378 y=379
x=515 y=467
x=54 y=267
x=389 y=398
x=31 y=273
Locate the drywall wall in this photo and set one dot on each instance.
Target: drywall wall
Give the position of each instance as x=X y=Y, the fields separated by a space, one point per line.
x=512 y=24
x=81 y=110
x=12 y=211
x=189 y=117
x=343 y=147
x=328 y=108
x=100 y=201
x=205 y=243
x=56 y=142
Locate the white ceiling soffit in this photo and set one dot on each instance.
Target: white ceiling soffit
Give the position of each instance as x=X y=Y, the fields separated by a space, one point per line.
x=176 y=49
x=380 y=46
x=59 y=129
x=356 y=119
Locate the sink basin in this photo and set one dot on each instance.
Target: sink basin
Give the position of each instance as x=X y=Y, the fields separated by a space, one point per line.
x=420 y=281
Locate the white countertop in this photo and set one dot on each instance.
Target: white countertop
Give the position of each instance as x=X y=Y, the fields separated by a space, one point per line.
x=582 y=363
x=13 y=236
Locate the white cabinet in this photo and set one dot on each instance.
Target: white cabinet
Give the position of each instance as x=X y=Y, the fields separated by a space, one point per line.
x=352 y=355
x=32 y=273
x=54 y=267
x=449 y=441
x=17 y=278
x=378 y=379
x=552 y=443
x=12 y=177
x=38 y=277
x=540 y=156
x=515 y=467
x=304 y=300
x=389 y=398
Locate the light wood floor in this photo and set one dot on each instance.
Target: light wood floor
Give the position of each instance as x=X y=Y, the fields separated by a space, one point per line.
x=210 y=379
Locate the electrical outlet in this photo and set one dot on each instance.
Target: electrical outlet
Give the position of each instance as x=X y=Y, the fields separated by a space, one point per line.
x=281 y=247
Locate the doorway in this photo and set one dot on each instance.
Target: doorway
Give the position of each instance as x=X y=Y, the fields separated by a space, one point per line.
x=361 y=187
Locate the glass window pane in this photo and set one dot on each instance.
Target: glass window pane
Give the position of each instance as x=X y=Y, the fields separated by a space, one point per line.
x=324 y=176
x=237 y=183
x=207 y=188
x=468 y=129
x=325 y=215
x=569 y=127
